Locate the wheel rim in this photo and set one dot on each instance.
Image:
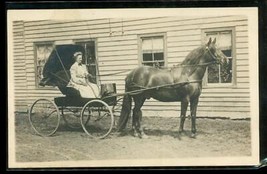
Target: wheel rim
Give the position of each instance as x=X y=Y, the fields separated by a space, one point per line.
x=44 y=117
x=97 y=119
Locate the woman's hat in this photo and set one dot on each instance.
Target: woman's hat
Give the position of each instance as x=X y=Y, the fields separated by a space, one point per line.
x=77 y=53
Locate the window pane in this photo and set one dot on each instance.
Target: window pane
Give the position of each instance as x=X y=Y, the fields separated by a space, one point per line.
x=148 y=64
x=92 y=70
x=211 y=35
x=227 y=53
x=158 y=56
x=213 y=74
x=226 y=71
x=147 y=57
x=43 y=51
x=90 y=51
x=224 y=40
x=157 y=43
x=146 y=44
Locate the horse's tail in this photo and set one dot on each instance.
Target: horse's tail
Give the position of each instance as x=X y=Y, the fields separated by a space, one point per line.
x=126 y=107
x=125 y=112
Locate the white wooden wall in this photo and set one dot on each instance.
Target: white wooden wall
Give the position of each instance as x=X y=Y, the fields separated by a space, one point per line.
x=119 y=51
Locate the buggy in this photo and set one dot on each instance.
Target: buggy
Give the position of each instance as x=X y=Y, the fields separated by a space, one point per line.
x=94 y=114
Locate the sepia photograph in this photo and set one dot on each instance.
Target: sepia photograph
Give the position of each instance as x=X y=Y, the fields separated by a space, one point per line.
x=133 y=87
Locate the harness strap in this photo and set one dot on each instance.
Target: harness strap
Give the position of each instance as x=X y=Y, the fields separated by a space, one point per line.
x=136 y=92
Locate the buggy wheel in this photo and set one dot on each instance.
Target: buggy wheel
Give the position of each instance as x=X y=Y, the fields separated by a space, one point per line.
x=97 y=119
x=44 y=117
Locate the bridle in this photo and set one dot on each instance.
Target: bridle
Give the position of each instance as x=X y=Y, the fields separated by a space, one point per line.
x=214 y=57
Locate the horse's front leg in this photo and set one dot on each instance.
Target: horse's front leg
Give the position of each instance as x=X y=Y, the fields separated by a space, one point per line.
x=193 y=109
x=184 y=105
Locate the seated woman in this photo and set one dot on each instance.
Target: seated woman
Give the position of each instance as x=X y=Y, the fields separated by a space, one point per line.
x=79 y=79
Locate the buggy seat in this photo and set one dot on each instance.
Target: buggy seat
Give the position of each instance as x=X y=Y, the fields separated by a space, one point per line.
x=73 y=97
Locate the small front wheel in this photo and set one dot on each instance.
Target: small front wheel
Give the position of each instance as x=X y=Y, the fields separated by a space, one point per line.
x=44 y=117
x=97 y=119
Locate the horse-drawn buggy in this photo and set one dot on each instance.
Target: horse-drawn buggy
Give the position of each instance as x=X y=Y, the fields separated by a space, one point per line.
x=94 y=114
x=182 y=82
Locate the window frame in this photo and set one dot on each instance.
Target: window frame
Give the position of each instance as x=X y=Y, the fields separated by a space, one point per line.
x=35 y=45
x=233 y=35
x=140 y=51
x=75 y=41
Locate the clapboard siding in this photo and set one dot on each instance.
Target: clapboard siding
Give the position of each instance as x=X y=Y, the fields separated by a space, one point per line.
x=19 y=75
x=117 y=54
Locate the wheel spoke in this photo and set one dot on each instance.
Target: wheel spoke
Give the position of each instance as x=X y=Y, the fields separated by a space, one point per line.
x=99 y=121
x=44 y=117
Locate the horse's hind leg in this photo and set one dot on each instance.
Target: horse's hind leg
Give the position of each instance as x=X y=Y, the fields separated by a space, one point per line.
x=137 y=116
x=184 y=105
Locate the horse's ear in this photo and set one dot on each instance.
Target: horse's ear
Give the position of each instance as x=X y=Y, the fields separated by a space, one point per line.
x=214 y=41
x=208 y=44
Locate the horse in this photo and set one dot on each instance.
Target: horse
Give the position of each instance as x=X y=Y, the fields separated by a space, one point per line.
x=182 y=82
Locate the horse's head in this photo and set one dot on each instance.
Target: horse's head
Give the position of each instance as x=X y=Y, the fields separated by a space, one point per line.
x=214 y=53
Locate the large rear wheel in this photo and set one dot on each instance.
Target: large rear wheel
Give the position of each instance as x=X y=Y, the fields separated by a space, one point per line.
x=44 y=117
x=97 y=119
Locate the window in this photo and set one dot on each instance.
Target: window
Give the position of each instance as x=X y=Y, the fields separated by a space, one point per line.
x=42 y=52
x=152 y=51
x=90 y=58
x=221 y=73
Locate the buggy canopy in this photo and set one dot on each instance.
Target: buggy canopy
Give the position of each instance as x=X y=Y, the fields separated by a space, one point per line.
x=56 y=69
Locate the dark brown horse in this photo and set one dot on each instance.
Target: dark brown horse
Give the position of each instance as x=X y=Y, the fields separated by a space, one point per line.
x=181 y=83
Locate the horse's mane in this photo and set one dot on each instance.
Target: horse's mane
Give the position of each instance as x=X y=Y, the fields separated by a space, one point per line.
x=193 y=58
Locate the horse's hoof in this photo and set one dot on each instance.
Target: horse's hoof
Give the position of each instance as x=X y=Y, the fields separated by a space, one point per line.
x=181 y=132
x=135 y=134
x=193 y=135
x=144 y=136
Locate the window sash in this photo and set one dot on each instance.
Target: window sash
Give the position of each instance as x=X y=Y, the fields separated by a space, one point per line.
x=152 y=50
x=224 y=74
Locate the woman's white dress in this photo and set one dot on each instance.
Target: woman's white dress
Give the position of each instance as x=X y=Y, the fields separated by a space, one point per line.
x=80 y=82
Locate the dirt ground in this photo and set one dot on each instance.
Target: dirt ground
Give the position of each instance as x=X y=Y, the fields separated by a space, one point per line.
x=215 y=138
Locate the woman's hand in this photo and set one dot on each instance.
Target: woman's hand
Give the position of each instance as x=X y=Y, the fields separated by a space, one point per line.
x=83 y=83
x=80 y=76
